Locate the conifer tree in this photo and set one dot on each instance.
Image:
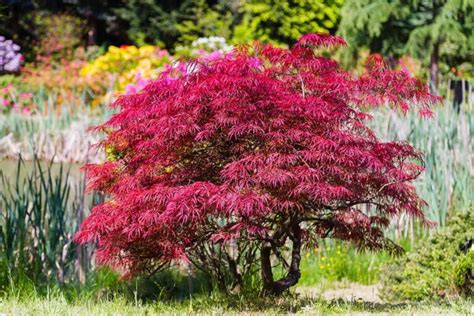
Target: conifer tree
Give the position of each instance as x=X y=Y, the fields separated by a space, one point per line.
x=283 y=22
x=433 y=30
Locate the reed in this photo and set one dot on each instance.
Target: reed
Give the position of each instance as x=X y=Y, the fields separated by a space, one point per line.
x=40 y=211
x=447 y=141
x=54 y=130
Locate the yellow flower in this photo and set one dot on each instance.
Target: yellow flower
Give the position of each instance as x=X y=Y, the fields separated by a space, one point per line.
x=114 y=49
x=146 y=50
x=145 y=63
x=321 y=266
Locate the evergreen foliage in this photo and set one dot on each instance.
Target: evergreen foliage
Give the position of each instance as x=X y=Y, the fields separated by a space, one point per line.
x=434 y=31
x=283 y=22
x=169 y=22
x=438 y=267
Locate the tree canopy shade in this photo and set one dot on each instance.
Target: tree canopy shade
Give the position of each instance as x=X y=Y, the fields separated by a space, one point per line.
x=433 y=30
x=227 y=163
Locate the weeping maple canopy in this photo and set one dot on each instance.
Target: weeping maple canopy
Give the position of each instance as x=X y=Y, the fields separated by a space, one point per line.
x=264 y=145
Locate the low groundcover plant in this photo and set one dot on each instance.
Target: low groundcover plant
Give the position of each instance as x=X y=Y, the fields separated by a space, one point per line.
x=226 y=164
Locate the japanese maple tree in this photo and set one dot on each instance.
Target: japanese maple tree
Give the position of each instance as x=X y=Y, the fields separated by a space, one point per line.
x=228 y=163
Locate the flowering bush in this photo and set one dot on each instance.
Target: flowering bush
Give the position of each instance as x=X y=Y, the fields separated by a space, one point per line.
x=61 y=78
x=209 y=48
x=13 y=100
x=128 y=65
x=243 y=154
x=10 y=58
x=410 y=65
x=57 y=35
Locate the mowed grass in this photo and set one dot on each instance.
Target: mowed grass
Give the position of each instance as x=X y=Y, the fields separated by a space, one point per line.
x=219 y=304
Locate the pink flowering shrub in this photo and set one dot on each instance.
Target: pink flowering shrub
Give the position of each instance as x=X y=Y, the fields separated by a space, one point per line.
x=13 y=100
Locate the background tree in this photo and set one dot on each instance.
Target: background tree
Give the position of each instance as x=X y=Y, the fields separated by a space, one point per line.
x=433 y=30
x=206 y=21
x=240 y=156
x=172 y=22
x=285 y=21
x=29 y=22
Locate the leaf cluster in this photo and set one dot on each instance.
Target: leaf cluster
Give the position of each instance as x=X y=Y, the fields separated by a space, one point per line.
x=229 y=161
x=437 y=268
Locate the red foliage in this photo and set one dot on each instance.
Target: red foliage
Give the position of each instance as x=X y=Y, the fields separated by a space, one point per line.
x=257 y=145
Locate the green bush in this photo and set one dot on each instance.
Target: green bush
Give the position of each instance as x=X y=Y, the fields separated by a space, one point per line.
x=437 y=268
x=463 y=273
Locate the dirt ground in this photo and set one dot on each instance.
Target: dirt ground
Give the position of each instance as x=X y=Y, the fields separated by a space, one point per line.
x=345 y=291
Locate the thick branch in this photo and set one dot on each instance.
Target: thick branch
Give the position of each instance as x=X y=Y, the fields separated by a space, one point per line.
x=277 y=287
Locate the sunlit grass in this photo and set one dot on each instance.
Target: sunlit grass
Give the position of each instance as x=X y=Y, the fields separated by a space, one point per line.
x=221 y=304
x=332 y=262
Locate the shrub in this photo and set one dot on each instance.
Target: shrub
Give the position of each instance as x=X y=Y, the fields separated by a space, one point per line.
x=128 y=65
x=437 y=268
x=12 y=99
x=10 y=58
x=228 y=162
x=57 y=35
x=282 y=21
x=213 y=47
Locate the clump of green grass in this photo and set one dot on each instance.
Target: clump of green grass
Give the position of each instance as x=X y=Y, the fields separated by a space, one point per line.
x=215 y=303
x=332 y=262
x=447 y=140
x=53 y=129
x=40 y=212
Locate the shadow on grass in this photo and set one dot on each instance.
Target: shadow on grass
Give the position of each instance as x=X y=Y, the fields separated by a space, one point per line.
x=171 y=291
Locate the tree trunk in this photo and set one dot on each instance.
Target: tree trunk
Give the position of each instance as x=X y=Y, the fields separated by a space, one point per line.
x=434 y=68
x=266 y=266
x=271 y=287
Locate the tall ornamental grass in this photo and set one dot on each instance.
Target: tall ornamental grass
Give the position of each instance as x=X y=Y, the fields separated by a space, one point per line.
x=40 y=211
x=52 y=130
x=447 y=141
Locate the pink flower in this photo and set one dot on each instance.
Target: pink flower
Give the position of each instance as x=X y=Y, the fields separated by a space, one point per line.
x=138 y=75
x=255 y=62
x=26 y=95
x=130 y=89
x=213 y=56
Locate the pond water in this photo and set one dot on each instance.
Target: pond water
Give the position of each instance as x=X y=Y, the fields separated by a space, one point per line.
x=75 y=180
x=9 y=168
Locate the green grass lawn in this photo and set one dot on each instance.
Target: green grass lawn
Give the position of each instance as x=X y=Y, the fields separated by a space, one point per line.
x=216 y=304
